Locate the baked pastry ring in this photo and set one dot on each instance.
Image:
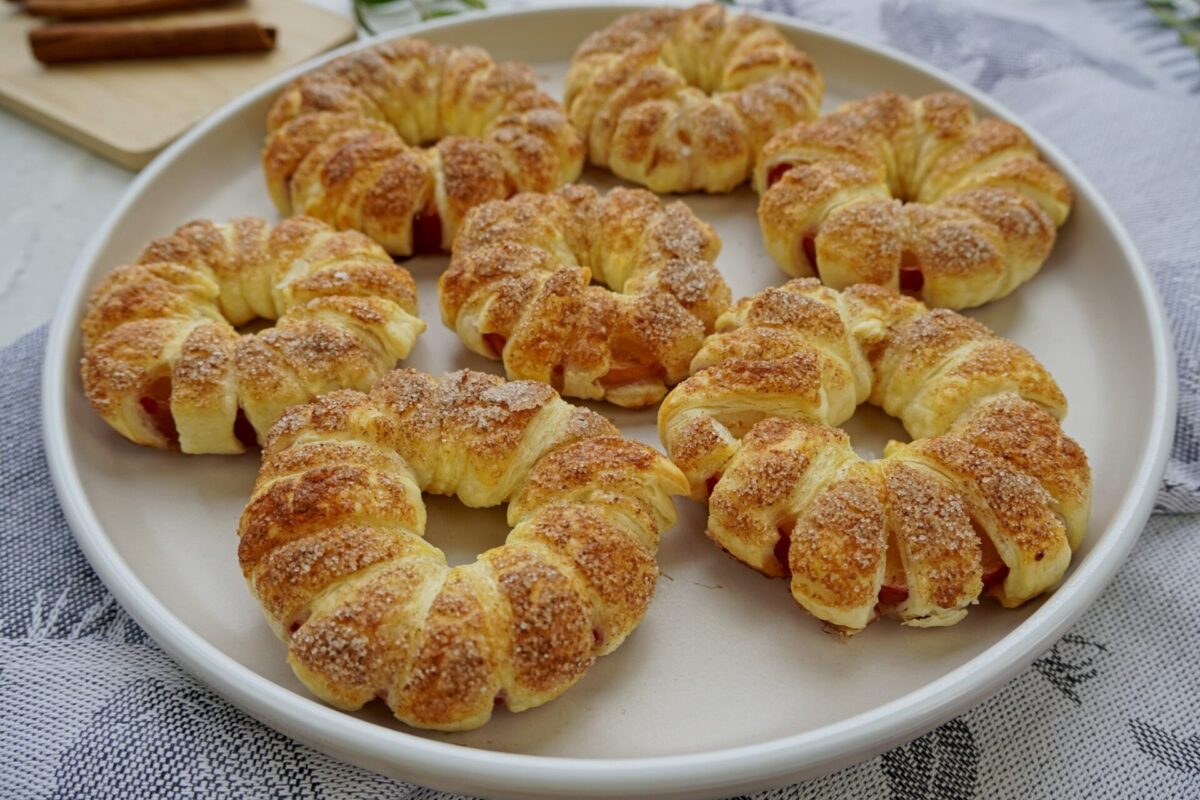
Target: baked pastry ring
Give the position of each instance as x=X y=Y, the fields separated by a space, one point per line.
x=520 y=287
x=344 y=142
x=990 y=495
x=914 y=195
x=166 y=367
x=680 y=100
x=331 y=544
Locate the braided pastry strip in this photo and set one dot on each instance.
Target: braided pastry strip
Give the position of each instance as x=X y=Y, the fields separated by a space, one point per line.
x=164 y=365
x=680 y=100
x=519 y=286
x=991 y=494
x=344 y=141
x=331 y=544
x=979 y=211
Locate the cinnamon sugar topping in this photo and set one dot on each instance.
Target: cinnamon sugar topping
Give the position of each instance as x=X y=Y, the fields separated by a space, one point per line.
x=980 y=207
x=176 y=317
x=330 y=542
x=521 y=268
x=907 y=534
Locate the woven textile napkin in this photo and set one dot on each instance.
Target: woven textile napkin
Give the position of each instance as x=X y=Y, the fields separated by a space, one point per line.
x=92 y=708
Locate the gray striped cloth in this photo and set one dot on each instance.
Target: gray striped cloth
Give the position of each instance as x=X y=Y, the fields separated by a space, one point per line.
x=92 y=708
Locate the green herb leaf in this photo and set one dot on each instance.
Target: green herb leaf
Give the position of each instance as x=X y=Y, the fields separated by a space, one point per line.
x=1183 y=18
x=419 y=7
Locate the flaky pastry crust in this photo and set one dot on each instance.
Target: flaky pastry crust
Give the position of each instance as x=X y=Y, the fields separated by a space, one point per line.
x=331 y=544
x=350 y=142
x=991 y=494
x=165 y=365
x=604 y=297
x=918 y=195
x=681 y=100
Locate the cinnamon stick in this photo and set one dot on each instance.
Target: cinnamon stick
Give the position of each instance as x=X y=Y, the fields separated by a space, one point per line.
x=64 y=42
x=100 y=9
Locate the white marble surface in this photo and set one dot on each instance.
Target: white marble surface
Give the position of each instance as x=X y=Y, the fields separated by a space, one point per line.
x=53 y=196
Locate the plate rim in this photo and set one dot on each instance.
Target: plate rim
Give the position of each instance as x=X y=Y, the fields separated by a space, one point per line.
x=758 y=764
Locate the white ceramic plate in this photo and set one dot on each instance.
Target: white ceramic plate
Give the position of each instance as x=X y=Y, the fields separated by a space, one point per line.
x=726 y=686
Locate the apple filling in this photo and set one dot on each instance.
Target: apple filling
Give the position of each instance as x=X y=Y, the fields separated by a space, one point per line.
x=624 y=373
x=496 y=342
x=784 y=544
x=156 y=403
x=427 y=233
x=776 y=172
x=808 y=246
x=244 y=431
x=912 y=279
x=994 y=568
x=297 y=621
x=894 y=590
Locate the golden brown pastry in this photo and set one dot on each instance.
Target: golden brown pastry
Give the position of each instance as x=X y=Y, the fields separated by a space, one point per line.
x=680 y=100
x=331 y=544
x=602 y=297
x=349 y=142
x=990 y=495
x=914 y=195
x=165 y=365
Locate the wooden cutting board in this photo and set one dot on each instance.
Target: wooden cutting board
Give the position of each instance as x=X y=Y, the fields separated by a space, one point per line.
x=127 y=111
